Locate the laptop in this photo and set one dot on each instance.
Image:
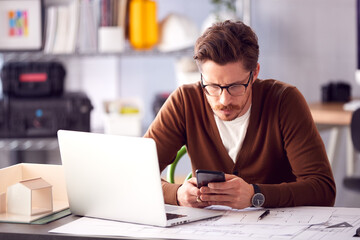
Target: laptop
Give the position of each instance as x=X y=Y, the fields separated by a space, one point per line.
x=118 y=178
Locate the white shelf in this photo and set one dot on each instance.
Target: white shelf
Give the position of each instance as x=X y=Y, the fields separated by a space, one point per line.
x=128 y=52
x=28 y=144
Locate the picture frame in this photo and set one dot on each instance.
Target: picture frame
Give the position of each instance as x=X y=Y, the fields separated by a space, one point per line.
x=21 y=25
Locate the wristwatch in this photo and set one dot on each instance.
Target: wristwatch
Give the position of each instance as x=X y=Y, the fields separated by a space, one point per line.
x=258 y=199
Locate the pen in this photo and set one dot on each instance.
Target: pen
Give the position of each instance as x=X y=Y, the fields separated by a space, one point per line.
x=264 y=214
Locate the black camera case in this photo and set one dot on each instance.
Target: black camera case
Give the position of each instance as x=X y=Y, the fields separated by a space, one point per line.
x=43 y=117
x=33 y=79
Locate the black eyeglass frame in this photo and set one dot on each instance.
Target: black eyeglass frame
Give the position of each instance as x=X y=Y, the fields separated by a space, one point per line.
x=225 y=87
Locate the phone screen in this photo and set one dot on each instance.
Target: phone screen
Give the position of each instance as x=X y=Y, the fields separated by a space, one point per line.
x=204 y=177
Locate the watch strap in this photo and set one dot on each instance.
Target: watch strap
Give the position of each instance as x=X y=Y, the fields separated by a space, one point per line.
x=256 y=188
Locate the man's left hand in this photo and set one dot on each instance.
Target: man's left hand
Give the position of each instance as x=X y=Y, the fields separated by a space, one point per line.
x=234 y=192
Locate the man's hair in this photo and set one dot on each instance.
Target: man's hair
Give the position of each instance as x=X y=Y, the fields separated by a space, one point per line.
x=228 y=42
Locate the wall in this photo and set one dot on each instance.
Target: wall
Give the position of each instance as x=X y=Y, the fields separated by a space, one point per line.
x=307 y=43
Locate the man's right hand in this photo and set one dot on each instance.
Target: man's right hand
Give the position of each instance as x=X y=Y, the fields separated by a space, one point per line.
x=188 y=195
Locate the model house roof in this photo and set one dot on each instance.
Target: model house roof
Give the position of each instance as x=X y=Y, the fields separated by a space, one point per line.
x=35 y=183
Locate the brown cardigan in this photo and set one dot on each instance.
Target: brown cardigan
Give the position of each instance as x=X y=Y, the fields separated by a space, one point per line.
x=282 y=151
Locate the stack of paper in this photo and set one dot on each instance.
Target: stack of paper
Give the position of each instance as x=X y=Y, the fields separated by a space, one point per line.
x=284 y=223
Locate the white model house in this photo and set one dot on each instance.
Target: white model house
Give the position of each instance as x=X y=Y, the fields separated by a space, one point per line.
x=30 y=197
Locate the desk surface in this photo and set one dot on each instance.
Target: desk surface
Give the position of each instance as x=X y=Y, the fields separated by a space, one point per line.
x=330 y=114
x=331 y=230
x=12 y=231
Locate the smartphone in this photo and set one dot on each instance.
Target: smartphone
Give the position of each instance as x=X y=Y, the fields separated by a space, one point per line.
x=204 y=177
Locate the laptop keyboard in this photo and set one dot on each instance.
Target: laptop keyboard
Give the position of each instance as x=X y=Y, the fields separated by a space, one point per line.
x=170 y=216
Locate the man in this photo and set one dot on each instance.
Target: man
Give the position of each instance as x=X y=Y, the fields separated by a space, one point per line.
x=259 y=132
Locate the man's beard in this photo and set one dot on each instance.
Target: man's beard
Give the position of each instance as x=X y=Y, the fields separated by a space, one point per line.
x=238 y=108
x=227 y=107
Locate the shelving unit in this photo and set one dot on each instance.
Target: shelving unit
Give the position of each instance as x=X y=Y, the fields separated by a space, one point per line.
x=39 y=55
x=28 y=144
x=243 y=10
x=29 y=150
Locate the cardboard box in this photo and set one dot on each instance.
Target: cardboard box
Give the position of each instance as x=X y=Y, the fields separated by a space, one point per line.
x=123 y=117
x=52 y=174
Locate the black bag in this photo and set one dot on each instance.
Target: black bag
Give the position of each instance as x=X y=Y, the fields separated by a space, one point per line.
x=33 y=79
x=336 y=92
x=43 y=117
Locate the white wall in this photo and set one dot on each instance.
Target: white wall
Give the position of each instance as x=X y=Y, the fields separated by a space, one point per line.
x=307 y=43
x=99 y=78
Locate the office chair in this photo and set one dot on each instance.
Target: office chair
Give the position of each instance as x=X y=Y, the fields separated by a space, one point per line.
x=354 y=182
x=171 y=168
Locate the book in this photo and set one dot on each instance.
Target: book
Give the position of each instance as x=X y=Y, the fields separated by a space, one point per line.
x=122 y=11
x=73 y=26
x=88 y=26
x=61 y=30
x=51 y=26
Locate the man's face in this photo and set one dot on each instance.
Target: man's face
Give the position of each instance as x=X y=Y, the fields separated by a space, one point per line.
x=226 y=106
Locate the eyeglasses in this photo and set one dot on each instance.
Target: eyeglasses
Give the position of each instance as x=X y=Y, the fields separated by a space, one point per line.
x=216 y=90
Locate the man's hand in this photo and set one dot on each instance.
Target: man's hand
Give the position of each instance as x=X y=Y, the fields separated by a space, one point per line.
x=234 y=192
x=188 y=195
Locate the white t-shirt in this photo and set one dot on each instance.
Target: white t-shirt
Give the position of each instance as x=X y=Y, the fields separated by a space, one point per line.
x=233 y=132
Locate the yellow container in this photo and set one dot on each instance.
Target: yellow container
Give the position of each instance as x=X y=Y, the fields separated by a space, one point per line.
x=143 y=26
